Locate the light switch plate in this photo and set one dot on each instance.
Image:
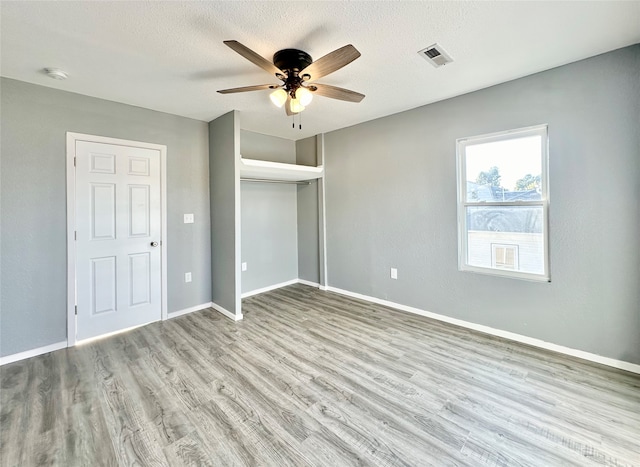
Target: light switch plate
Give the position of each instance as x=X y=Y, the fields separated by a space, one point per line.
x=187 y=277
x=394 y=273
x=244 y=266
x=188 y=218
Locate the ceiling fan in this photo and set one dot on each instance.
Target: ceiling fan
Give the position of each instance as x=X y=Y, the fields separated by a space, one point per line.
x=298 y=73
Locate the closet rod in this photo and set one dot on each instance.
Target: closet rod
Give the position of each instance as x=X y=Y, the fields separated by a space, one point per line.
x=264 y=180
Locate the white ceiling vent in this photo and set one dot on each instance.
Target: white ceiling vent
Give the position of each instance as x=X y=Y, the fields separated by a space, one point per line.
x=436 y=55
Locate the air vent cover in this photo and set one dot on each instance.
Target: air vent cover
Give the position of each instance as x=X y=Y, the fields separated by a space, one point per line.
x=436 y=55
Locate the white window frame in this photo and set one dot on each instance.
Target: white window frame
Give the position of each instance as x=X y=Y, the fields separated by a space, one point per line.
x=461 y=145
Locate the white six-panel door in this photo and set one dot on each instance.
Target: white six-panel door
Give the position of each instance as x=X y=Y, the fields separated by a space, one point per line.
x=118 y=225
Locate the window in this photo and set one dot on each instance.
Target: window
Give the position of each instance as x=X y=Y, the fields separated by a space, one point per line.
x=502 y=203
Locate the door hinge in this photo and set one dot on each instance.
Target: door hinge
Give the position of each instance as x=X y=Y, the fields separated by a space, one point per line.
x=76 y=310
x=74 y=161
x=75 y=234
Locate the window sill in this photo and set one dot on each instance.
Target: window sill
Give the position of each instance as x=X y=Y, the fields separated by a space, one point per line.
x=505 y=273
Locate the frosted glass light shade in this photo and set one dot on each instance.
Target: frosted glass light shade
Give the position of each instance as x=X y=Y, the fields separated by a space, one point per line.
x=278 y=97
x=296 y=106
x=304 y=96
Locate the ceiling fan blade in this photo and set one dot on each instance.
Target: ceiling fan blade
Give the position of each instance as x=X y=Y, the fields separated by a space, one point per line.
x=331 y=62
x=254 y=57
x=334 y=92
x=257 y=87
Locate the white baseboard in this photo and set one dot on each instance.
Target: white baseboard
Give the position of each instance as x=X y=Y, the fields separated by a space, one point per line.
x=32 y=353
x=226 y=312
x=283 y=284
x=309 y=283
x=622 y=365
x=269 y=288
x=175 y=314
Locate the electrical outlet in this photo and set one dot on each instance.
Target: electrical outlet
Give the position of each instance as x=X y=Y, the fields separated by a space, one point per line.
x=187 y=277
x=394 y=273
x=188 y=218
x=244 y=266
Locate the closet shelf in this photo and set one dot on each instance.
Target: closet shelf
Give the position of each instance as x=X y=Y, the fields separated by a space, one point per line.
x=265 y=170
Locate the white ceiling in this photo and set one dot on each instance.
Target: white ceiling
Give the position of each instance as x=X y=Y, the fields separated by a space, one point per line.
x=169 y=56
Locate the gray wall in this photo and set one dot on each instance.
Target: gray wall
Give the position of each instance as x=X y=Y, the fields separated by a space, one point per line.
x=391 y=202
x=308 y=252
x=34 y=122
x=224 y=187
x=267 y=148
x=269 y=220
x=269 y=236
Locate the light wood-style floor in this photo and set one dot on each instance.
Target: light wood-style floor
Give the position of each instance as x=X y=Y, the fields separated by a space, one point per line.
x=314 y=378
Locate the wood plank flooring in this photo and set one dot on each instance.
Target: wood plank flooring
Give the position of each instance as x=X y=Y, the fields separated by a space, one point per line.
x=313 y=378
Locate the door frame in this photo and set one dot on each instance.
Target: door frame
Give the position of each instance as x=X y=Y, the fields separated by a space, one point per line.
x=72 y=138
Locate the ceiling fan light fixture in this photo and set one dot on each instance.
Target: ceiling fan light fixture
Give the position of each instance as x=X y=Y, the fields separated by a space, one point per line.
x=278 y=97
x=304 y=96
x=295 y=106
x=295 y=68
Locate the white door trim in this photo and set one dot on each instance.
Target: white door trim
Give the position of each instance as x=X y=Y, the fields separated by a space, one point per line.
x=72 y=138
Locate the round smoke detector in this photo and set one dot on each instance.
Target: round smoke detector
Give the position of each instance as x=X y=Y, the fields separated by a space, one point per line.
x=55 y=73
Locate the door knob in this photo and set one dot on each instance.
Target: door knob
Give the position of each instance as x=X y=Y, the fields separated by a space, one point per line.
x=154 y=243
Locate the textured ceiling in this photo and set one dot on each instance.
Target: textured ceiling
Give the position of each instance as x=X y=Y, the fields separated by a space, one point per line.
x=169 y=56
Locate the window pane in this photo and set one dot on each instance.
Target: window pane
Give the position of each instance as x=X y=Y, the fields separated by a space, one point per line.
x=508 y=170
x=506 y=237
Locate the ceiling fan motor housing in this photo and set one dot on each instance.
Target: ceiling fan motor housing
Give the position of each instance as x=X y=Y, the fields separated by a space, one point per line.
x=292 y=60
